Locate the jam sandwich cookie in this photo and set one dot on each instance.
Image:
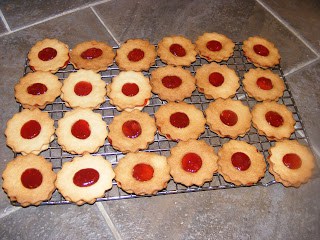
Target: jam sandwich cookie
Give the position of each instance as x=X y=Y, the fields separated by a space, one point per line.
x=136 y=55
x=85 y=89
x=177 y=50
x=241 y=163
x=180 y=121
x=131 y=131
x=30 y=131
x=263 y=85
x=192 y=163
x=214 y=47
x=84 y=179
x=29 y=180
x=48 y=55
x=172 y=83
x=92 y=55
x=273 y=120
x=291 y=163
x=261 y=52
x=37 y=89
x=228 y=118
x=81 y=131
x=217 y=81
x=142 y=173
x=129 y=90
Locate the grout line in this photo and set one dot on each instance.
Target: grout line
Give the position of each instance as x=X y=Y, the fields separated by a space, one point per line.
x=300 y=66
x=5 y=22
x=9 y=210
x=108 y=220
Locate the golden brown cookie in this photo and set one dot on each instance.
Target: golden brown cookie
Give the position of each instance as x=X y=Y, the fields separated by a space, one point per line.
x=142 y=173
x=29 y=180
x=241 y=163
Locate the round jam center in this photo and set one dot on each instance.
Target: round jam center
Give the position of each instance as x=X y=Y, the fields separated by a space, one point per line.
x=86 y=177
x=171 y=81
x=81 y=129
x=31 y=178
x=216 y=79
x=142 y=172
x=214 y=46
x=37 y=89
x=261 y=50
x=274 y=119
x=136 y=55
x=47 y=54
x=130 y=89
x=91 y=53
x=240 y=161
x=292 y=161
x=229 y=117
x=30 y=129
x=264 y=83
x=131 y=129
x=179 y=120
x=177 y=50
x=191 y=162
x=83 y=88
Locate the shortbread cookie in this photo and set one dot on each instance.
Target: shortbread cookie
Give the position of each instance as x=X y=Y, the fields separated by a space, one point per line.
x=177 y=50
x=193 y=162
x=37 y=89
x=214 y=47
x=92 y=55
x=261 y=52
x=129 y=90
x=263 y=85
x=291 y=163
x=136 y=55
x=30 y=131
x=172 y=83
x=81 y=131
x=142 y=173
x=85 y=89
x=228 y=118
x=241 y=163
x=217 y=81
x=29 y=180
x=84 y=179
x=180 y=121
x=273 y=120
x=131 y=131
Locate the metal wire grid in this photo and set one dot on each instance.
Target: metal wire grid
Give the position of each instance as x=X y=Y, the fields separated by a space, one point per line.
x=161 y=145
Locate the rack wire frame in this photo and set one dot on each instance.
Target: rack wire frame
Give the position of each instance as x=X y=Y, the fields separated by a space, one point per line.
x=161 y=145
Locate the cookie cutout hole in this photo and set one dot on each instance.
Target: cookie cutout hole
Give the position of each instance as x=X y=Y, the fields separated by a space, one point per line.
x=171 y=81
x=31 y=178
x=131 y=129
x=82 y=88
x=214 y=46
x=264 y=83
x=179 y=120
x=274 y=119
x=177 y=50
x=30 y=129
x=81 y=129
x=86 y=177
x=130 y=89
x=191 y=162
x=240 y=161
x=37 y=89
x=229 y=118
x=47 y=54
x=261 y=50
x=135 y=55
x=292 y=161
x=91 y=53
x=142 y=172
x=216 y=79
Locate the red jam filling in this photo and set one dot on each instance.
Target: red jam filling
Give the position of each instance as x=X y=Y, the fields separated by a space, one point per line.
x=142 y=172
x=91 y=53
x=179 y=120
x=47 y=54
x=86 y=177
x=274 y=119
x=83 y=88
x=131 y=129
x=216 y=79
x=264 y=83
x=31 y=178
x=37 y=89
x=191 y=162
x=171 y=81
x=135 y=55
x=130 y=89
x=30 y=129
x=240 y=161
x=214 y=46
x=261 y=50
x=229 y=118
x=81 y=129
x=292 y=161
x=177 y=50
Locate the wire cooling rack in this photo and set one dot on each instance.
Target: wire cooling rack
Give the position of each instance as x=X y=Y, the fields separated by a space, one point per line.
x=161 y=145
